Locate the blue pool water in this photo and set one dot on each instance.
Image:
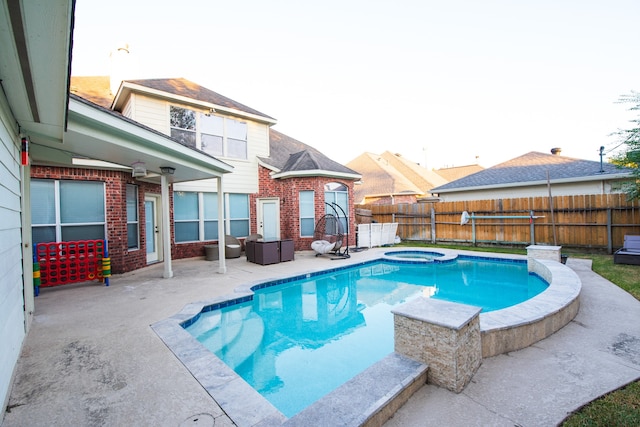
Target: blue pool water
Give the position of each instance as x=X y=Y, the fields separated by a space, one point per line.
x=299 y=340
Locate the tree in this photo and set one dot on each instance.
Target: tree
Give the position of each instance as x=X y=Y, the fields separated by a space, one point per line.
x=630 y=158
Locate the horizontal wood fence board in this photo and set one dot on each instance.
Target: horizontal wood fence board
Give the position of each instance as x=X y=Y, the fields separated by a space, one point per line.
x=598 y=221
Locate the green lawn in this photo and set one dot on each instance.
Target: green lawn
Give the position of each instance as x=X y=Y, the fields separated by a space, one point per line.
x=621 y=407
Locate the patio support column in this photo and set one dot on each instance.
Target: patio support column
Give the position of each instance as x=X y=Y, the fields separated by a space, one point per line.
x=166 y=227
x=222 y=262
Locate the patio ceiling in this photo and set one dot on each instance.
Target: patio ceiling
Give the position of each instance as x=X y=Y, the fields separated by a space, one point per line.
x=35 y=58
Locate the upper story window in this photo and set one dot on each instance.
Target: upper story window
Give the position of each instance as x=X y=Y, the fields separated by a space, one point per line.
x=218 y=136
x=183 y=125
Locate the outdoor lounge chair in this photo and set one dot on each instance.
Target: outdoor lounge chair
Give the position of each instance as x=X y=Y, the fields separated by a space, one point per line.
x=232 y=247
x=630 y=252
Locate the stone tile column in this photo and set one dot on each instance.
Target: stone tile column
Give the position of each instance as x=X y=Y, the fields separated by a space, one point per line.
x=443 y=335
x=543 y=252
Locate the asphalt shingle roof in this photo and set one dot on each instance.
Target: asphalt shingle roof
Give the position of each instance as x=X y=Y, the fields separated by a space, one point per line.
x=533 y=167
x=290 y=155
x=92 y=88
x=189 y=89
x=286 y=154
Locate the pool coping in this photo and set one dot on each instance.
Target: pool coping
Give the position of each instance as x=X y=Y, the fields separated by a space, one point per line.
x=536 y=318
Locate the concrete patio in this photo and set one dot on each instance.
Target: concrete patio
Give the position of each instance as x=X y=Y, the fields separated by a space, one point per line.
x=91 y=358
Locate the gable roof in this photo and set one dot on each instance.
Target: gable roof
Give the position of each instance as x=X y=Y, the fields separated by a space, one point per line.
x=531 y=169
x=422 y=177
x=188 y=92
x=290 y=157
x=457 y=172
x=391 y=174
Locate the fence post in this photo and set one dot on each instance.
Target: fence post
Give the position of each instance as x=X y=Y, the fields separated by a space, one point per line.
x=531 y=226
x=433 y=225
x=473 y=228
x=609 y=233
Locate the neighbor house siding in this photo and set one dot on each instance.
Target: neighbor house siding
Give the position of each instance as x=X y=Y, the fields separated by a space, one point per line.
x=12 y=315
x=572 y=189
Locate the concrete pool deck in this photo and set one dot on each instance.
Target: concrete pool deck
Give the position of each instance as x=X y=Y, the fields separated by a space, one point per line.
x=91 y=357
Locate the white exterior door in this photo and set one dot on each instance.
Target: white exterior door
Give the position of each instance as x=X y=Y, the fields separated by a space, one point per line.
x=152 y=228
x=269 y=218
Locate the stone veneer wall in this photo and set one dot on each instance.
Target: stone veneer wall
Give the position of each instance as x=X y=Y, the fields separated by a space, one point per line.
x=453 y=338
x=536 y=318
x=444 y=335
x=543 y=252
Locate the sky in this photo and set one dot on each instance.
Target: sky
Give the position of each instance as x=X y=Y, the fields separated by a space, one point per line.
x=443 y=83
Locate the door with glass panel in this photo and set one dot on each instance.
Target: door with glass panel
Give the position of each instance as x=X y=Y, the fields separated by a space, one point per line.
x=269 y=218
x=152 y=228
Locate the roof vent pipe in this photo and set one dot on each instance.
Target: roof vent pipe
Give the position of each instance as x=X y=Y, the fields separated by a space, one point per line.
x=556 y=151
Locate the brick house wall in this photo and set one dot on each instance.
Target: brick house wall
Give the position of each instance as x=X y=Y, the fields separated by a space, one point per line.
x=288 y=190
x=122 y=259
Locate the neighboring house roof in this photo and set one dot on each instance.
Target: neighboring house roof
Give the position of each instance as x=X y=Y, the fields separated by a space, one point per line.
x=391 y=174
x=184 y=88
x=423 y=178
x=457 y=172
x=290 y=157
x=532 y=169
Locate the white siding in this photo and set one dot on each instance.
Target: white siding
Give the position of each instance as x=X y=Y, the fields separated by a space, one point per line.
x=12 y=317
x=152 y=112
x=244 y=178
x=590 y=187
x=128 y=110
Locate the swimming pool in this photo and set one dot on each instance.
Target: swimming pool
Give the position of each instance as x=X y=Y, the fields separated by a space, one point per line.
x=375 y=394
x=299 y=338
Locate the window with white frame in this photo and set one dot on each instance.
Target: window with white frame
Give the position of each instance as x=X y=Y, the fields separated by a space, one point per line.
x=238 y=214
x=183 y=125
x=186 y=216
x=133 y=224
x=307 y=213
x=196 y=216
x=216 y=135
x=63 y=211
x=210 y=202
x=336 y=195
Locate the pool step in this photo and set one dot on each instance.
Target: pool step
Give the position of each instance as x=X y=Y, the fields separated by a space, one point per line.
x=368 y=399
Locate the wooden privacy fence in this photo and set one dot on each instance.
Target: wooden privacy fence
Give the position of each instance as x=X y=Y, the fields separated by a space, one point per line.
x=585 y=221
